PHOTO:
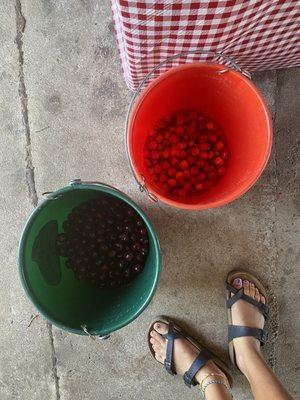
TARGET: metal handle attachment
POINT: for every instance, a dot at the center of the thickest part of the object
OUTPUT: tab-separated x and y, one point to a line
94	337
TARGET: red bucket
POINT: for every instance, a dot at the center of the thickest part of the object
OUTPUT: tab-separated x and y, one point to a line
230	99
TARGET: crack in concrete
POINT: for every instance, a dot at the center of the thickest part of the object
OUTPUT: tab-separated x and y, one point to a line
20	27
29	167
54	361
274	322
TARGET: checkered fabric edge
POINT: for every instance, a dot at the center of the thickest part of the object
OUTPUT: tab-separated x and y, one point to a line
257	34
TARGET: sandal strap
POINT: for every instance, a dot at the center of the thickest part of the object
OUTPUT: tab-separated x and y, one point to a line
202	358
236	331
239	294
170	337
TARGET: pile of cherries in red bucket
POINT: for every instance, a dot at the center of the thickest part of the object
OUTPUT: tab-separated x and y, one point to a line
185	154
105	241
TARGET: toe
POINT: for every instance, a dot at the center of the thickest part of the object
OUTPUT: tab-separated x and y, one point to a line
257	295
156	336
246	287
159	358
263	299
237	283
252	290
161	328
156	347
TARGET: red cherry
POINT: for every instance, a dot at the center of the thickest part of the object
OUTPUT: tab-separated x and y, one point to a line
210	155
186	173
201	177
210	125
172	183
160	147
203	138
191	160
219	146
182	154
151	171
166	154
163	178
179	130
187	186
193	180
181	192
147	154
165	165
174	161
204	146
195	151
183	164
191	143
203	155
171	171
218	161
199	187
157	169
174	152
174	139
152	145
213	138
194	171
181	145
179	176
159	138
192	128
206	168
167	135
155	155
200	164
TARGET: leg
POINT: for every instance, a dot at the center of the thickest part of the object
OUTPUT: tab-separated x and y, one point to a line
263	382
184	355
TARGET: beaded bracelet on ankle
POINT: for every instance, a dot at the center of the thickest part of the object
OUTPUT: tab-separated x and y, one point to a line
211	382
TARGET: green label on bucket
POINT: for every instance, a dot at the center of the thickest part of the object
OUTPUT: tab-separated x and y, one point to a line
44	253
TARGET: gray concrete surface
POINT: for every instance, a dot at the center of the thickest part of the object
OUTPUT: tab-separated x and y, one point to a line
63	103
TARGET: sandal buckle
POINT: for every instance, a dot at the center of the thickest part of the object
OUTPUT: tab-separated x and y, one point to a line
264	336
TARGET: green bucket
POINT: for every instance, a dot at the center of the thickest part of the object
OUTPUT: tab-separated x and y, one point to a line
74	305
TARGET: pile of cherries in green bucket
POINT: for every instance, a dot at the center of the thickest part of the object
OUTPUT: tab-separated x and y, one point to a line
105	241
185	154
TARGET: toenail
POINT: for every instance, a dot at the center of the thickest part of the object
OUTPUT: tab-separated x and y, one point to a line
246	282
237	281
157	325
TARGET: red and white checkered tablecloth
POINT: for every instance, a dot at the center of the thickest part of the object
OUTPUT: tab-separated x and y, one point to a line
257	34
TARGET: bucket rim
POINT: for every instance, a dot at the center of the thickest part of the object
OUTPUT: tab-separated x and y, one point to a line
77	185
137	102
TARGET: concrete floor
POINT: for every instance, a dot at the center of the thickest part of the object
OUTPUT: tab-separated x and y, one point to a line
63	103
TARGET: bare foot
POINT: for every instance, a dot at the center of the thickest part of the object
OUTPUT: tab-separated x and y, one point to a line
184	353
246	314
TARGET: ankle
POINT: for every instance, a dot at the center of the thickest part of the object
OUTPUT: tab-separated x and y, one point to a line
209	369
247	353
